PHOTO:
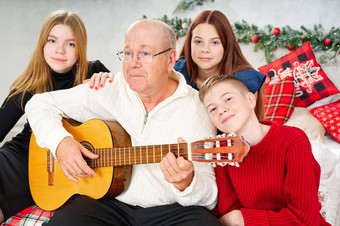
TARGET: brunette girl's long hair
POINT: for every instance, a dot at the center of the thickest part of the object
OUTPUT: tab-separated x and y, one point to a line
37	76
232	60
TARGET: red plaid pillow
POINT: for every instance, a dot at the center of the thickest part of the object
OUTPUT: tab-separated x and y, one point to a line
311	82
329	116
279	100
32	215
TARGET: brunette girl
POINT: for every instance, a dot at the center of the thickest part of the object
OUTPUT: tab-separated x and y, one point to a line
211	48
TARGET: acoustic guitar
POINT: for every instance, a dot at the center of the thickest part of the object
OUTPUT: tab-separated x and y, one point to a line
50	187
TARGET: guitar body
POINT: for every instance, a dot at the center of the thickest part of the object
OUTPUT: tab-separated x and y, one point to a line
50	188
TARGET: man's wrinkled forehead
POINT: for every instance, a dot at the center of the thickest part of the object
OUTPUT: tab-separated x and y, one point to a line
138	43
139	46
142	35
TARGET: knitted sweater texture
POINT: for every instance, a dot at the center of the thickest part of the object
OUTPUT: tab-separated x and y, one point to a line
277	184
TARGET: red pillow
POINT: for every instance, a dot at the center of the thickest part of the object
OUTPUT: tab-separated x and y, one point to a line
329	116
311	82
32	215
279	100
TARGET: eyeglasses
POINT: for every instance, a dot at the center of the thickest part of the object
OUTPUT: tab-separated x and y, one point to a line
142	56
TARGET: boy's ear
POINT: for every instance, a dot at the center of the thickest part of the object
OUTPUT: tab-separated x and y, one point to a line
251	100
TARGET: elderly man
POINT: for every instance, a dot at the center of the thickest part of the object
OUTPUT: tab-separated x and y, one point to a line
155	106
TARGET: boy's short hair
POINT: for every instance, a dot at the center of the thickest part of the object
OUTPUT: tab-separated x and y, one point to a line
213	80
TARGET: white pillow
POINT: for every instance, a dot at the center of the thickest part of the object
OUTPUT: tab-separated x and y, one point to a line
303	119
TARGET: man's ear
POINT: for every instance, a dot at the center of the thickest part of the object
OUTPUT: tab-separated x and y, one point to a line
172	59
251	100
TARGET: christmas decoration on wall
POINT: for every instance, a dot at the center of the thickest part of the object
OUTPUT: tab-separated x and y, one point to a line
276	31
327	41
255	38
187	4
268	38
179	25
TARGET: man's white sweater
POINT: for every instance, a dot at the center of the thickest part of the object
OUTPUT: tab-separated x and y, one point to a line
180	115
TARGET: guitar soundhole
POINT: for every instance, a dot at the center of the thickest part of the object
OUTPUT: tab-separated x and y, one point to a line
89	147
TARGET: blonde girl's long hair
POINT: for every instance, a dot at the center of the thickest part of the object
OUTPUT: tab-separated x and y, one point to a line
36	78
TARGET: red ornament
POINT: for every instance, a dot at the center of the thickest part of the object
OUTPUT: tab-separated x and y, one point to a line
303	37
255	38
181	25
327	41
276	31
290	47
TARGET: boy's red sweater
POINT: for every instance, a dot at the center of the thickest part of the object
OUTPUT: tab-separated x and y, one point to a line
277	184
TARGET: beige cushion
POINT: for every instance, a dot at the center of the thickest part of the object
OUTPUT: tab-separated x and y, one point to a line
303	119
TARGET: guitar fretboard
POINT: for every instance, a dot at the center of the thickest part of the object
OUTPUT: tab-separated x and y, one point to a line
136	155
218	150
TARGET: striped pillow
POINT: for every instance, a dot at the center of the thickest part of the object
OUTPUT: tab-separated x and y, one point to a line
32	215
279	100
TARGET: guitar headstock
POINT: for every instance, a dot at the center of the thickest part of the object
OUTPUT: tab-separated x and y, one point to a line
221	150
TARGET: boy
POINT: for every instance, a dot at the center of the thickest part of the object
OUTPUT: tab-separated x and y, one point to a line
277	184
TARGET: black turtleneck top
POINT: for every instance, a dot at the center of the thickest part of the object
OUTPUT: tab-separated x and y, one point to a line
11	111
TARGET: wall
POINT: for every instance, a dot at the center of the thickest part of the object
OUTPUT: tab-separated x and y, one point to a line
107	20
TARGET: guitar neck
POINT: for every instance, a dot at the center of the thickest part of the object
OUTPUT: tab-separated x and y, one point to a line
119	156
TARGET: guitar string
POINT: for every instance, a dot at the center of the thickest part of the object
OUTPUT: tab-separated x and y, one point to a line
145	160
144	154
105	162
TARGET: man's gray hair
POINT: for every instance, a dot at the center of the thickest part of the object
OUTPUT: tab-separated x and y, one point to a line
169	36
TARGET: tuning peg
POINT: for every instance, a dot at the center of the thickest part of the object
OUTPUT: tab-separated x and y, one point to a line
218	156
230	156
208	145
225	163
222	164
234	164
232	134
208	156
212	164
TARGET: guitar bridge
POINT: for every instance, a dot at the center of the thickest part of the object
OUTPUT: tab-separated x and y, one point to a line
50	168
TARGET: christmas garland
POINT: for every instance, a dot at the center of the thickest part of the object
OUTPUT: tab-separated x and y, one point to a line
179	25
268	38
189	4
